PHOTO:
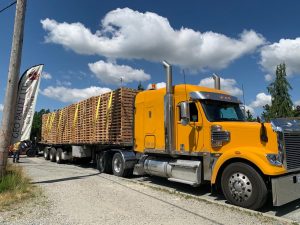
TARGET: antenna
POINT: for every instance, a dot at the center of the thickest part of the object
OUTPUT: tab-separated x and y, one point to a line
244	100
121	80
184	84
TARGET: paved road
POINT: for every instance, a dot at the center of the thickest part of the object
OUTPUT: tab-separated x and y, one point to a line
78	195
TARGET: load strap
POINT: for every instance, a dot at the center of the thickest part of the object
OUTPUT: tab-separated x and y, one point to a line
75	115
51	120
47	123
97	109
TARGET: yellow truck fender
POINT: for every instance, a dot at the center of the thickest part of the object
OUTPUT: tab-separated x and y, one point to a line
253	155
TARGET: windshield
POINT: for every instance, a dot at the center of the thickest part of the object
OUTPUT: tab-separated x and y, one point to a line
222	111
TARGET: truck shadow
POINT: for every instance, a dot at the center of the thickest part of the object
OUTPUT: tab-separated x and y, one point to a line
280	210
205	191
64	179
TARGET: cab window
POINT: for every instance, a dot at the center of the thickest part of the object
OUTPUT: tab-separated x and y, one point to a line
193	112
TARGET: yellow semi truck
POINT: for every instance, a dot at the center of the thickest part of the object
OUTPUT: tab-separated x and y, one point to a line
194	135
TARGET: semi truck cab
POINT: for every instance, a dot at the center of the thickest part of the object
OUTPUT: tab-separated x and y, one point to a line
194	134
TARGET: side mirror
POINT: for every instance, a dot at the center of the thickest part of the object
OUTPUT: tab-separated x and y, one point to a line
184	113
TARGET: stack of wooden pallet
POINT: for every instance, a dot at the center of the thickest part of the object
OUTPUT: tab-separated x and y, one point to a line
106	119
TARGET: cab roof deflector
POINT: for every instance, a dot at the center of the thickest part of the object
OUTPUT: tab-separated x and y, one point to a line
202	95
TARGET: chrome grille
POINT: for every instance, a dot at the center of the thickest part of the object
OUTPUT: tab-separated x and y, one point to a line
292	148
220	136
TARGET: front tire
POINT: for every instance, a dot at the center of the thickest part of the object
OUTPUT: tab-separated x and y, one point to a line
52	155
243	186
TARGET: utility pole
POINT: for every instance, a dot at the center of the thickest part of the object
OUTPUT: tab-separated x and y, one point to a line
12	85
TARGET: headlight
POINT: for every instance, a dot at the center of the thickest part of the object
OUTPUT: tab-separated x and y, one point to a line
275	159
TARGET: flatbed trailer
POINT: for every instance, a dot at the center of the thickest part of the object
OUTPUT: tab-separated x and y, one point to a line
85	129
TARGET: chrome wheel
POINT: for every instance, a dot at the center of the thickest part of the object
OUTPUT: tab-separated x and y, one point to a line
117	165
240	187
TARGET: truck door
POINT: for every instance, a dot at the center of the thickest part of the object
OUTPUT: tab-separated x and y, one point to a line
189	138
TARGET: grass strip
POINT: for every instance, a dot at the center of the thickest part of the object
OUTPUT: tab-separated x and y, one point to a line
14	187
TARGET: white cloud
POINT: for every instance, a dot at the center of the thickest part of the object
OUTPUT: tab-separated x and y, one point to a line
1	107
63	83
228	85
130	34
269	77
285	51
46	76
261	100
65	94
158	85
251	110
297	103
112	73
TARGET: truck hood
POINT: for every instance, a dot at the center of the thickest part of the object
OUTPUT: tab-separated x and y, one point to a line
248	135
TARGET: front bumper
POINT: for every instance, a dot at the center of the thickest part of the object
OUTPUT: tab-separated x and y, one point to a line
285	189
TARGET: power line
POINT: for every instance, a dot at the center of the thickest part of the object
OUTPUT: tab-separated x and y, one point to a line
11	4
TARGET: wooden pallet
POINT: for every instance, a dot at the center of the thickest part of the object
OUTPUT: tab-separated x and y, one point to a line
104	119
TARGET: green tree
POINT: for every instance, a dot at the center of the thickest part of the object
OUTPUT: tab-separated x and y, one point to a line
296	111
140	87
281	104
266	112
37	124
249	116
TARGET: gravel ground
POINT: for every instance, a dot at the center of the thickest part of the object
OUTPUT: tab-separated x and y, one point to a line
76	195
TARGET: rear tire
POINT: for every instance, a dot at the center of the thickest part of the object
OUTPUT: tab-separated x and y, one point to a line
243	186
104	162
59	153
46	154
118	166
52	155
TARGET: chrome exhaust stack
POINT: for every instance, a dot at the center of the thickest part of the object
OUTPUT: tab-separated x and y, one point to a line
168	111
217	81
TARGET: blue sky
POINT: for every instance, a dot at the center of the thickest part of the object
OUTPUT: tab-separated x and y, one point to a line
87	46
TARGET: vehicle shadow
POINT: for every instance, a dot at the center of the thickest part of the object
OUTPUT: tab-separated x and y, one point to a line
280	210
64	179
205	190
202	190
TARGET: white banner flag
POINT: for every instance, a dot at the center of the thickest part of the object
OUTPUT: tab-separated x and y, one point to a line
26	99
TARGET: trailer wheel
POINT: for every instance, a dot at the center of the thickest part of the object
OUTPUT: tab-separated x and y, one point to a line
243	186
46	153
30	152
52	154
104	162
59	153
118	166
